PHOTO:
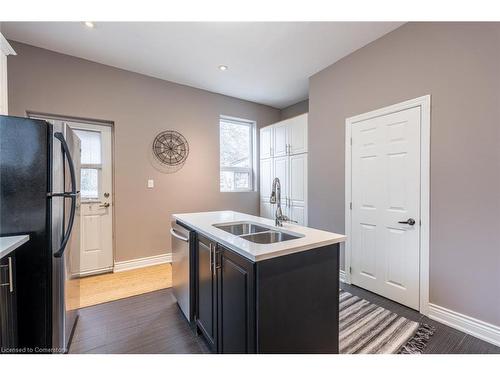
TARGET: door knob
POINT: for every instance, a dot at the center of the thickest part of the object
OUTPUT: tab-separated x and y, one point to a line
410	221
105	205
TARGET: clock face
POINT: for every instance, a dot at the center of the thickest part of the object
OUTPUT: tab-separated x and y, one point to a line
170	148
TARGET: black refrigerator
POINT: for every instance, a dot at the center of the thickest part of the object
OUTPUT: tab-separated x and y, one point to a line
39	178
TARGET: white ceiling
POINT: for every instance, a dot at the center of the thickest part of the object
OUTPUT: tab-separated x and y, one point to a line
269	63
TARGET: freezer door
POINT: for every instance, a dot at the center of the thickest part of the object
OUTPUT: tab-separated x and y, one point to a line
66	289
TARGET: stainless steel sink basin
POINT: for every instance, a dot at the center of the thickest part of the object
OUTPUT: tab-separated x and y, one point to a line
269	237
239	229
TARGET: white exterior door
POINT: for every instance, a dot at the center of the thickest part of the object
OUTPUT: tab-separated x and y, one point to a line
298	189
385	184
280	147
266	142
297	135
96	254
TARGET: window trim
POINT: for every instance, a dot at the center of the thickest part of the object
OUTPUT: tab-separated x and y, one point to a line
253	149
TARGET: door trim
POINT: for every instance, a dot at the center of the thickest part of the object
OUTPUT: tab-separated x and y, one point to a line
424	102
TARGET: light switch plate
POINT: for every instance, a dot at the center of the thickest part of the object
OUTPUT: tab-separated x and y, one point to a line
151	184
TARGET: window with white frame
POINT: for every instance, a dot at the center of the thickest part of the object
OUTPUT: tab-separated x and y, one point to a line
91	164
237	141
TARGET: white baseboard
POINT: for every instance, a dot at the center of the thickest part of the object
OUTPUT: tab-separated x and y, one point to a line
342	276
474	327
94	272
142	262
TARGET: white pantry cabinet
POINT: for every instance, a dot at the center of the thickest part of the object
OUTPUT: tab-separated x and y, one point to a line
266	142
5	50
283	151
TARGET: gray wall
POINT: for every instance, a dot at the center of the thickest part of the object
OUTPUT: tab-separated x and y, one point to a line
459	65
294	110
140	106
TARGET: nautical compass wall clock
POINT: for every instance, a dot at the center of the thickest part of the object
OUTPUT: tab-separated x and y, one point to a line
169	151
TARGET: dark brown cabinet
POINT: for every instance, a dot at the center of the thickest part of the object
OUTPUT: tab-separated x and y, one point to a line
236	302
286	304
206	290
225	300
8	313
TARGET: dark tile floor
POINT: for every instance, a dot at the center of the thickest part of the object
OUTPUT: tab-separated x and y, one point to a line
148	323
152	323
446	340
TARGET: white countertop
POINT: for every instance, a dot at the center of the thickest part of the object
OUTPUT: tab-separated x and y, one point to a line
8	244
311	238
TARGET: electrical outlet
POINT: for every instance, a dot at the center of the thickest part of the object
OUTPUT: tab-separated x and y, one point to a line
151	184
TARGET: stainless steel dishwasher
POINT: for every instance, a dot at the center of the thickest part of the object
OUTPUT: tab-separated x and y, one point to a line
183	268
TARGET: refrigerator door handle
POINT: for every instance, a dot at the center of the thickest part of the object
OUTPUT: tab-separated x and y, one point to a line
72	194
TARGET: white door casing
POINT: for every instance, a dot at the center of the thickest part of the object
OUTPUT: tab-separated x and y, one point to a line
5	50
387	178
96	254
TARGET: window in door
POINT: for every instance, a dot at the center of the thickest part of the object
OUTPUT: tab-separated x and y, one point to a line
237	150
91	164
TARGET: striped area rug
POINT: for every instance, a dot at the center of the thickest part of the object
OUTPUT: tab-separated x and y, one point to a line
371	329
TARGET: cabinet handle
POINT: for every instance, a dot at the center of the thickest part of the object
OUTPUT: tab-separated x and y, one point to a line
11	281
210	257
214	259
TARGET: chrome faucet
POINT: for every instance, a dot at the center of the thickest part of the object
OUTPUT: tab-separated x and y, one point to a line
279	218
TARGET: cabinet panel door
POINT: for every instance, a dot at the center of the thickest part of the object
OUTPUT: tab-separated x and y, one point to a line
298	188
280	139
266	208
266	177
298	214
266	142
8	311
281	170
297	135
236	294
206	292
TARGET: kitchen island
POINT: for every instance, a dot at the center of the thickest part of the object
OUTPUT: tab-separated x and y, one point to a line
259	288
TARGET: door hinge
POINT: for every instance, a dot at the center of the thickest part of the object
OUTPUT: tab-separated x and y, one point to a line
350	269
350	205
351	141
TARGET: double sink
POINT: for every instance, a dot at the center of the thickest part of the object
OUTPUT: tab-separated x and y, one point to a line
256	233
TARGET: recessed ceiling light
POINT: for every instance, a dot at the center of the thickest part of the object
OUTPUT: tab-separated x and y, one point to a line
89	24
223	67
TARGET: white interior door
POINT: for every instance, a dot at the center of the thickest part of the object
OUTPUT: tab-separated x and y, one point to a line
385	220
96	254
297	202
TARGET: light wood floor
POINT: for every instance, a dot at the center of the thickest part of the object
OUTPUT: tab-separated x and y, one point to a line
113	286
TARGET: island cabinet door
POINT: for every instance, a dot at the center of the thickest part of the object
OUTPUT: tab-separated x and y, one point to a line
236	300
206	290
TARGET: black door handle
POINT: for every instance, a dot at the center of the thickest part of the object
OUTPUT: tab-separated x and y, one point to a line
410	221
